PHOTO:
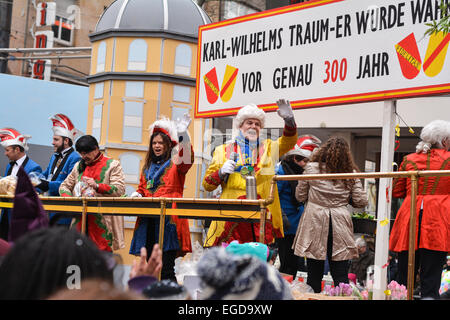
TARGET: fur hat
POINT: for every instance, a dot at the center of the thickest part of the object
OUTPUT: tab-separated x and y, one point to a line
11	137
305	146
227	276
167	127
250	111
63	126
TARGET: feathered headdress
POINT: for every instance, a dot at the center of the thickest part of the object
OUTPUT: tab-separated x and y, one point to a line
167	127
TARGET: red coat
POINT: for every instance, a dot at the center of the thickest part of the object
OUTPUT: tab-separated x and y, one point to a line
434	192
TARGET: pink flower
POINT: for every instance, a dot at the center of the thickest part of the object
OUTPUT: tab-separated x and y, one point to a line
365	294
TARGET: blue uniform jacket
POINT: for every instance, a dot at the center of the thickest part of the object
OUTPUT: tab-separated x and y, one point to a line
285	193
60	175
29	166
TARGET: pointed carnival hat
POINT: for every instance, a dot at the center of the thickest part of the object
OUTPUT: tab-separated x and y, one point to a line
63	126
10	137
166	126
28	213
305	146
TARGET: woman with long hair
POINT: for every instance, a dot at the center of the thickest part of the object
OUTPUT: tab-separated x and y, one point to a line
325	229
169	158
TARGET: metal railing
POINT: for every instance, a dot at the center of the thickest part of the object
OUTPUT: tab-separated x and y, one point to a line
413	175
220	209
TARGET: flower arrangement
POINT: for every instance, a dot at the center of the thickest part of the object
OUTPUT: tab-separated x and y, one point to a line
396	291
343	289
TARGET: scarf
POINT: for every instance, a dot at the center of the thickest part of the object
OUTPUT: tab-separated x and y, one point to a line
154	174
247	148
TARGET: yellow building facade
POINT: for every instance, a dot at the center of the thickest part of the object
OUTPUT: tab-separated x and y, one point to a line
142	70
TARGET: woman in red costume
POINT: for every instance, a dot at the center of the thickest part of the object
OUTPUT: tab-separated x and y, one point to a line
163	175
433	209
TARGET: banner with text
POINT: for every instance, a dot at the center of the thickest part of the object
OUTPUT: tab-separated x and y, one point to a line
321	53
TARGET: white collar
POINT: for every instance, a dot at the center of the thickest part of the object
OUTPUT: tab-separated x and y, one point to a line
20	161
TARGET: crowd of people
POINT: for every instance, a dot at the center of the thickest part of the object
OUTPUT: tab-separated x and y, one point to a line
45	256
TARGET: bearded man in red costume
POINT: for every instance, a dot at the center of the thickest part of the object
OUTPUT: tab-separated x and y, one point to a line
99	176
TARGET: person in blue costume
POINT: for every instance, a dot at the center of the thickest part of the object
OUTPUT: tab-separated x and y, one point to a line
292	163
61	163
15	145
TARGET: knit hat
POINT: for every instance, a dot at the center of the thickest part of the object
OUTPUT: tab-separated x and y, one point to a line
257	249
63	126
11	137
166	126
305	146
250	111
165	290
28	213
226	276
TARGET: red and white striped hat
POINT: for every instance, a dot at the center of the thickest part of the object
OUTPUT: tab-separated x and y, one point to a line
305	146
63	126
11	137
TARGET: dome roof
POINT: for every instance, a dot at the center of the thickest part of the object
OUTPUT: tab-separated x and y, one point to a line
180	17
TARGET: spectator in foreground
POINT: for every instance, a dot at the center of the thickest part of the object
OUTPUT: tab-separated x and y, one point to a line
228	276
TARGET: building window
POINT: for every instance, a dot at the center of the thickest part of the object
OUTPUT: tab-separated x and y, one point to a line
179	111
63	30
137	55
130	163
183	55
181	93
132	121
98	91
134	89
97	121
232	9
101	57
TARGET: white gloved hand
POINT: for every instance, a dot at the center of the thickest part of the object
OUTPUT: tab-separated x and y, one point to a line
284	109
227	168
136	195
183	124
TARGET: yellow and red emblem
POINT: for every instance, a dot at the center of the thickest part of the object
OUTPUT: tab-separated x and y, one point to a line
212	84
409	57
436	53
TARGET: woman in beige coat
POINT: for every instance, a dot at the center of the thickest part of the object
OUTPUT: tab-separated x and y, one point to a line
325	229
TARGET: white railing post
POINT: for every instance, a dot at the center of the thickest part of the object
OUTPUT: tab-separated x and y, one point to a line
384	201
